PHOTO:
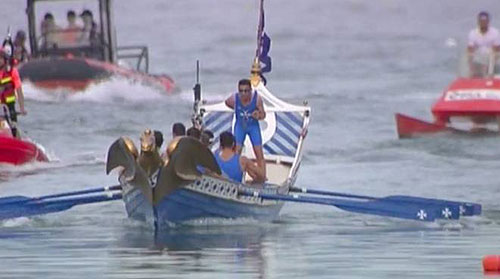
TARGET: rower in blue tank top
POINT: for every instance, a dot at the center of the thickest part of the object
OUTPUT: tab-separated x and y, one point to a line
249	109
232	164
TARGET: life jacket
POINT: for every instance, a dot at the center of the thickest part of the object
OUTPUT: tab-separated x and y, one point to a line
8	94
230	168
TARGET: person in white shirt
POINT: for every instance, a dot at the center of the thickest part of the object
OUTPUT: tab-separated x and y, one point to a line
483	46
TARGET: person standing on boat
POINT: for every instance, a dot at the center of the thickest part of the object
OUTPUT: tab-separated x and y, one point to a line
232	164
73	30
20	53
249	109
89	32
483	45
49	30
10	88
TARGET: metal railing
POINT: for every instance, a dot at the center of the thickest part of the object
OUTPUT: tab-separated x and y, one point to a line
140	53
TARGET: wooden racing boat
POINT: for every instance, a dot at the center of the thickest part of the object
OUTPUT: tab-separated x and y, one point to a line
181	193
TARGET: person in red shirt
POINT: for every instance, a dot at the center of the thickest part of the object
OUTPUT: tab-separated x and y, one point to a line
10	90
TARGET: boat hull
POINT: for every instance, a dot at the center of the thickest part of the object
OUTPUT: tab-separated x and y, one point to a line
77	74
408	127
203	199
477	99
467	106
16	152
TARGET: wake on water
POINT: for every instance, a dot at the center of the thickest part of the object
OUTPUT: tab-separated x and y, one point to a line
113	91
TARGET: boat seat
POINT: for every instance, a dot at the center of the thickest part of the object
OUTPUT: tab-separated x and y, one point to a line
277	173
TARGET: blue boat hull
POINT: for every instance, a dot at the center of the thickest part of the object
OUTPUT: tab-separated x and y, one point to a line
188	204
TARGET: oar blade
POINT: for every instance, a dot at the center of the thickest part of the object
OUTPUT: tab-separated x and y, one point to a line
40	207
464	208
388	209
445	209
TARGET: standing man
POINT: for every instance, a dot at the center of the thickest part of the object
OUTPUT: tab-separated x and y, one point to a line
10	90
248	109
20	52
73	30
89	30
483	46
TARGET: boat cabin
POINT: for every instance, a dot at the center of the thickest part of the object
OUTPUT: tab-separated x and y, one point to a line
79	28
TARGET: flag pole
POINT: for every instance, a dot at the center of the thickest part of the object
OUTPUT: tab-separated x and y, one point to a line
255	71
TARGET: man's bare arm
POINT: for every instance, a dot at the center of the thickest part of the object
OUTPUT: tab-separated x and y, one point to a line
259	113
230	101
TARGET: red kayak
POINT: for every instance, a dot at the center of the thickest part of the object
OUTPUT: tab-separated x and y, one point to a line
19	151
470	105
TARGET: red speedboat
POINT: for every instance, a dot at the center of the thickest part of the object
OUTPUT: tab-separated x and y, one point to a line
68	58
19	151
470	105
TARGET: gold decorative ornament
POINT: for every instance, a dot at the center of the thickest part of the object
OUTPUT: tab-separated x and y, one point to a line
129	144
255	72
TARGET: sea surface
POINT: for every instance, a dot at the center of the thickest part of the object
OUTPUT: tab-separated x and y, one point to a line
356	63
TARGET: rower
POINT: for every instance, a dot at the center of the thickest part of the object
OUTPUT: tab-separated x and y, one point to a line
178	129
232	164
194	133
249	109
207	138
10	88
483	46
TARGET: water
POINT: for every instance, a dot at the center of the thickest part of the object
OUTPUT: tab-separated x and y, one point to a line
356	62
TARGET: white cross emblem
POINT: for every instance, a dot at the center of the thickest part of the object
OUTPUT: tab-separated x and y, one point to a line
446	213
462	209
421	214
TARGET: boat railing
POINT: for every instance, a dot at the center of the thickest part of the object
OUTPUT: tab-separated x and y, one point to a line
479	65
139	53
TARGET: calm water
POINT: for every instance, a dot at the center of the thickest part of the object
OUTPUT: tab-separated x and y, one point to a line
356	62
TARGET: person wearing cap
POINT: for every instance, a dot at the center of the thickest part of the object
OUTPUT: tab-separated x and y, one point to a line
72	31
248	109
10	90
20	53
483	45
89	32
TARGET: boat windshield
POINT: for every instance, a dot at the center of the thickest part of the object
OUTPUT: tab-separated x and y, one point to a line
480	65
62	28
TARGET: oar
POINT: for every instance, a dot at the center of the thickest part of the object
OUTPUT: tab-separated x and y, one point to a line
20	206
23	199
412	211
465	208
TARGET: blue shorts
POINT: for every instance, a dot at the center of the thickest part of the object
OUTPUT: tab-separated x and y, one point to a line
253	131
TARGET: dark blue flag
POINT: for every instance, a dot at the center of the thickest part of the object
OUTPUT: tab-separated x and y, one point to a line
264	58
